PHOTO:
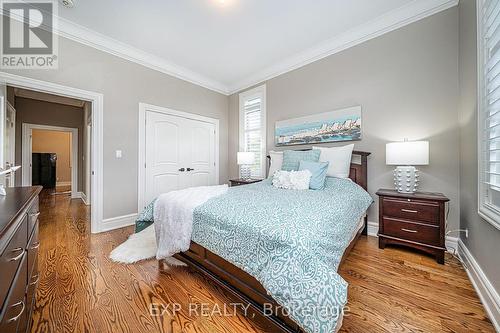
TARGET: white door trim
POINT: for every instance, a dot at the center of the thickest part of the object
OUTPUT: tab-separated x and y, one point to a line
96	100
27	149
143	108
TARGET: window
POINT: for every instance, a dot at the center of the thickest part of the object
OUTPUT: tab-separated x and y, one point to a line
488	24
253	128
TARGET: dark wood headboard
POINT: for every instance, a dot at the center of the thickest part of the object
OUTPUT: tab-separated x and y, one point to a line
359	171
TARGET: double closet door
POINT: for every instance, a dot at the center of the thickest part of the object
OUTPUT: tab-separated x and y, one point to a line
180	153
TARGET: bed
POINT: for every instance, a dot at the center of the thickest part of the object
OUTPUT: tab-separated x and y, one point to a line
219	261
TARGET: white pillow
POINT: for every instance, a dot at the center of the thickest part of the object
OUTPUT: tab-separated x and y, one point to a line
292	180
276	162
339	159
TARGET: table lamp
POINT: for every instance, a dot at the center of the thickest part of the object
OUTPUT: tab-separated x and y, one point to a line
406	155
245	159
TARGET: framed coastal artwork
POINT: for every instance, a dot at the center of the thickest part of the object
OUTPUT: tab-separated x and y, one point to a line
332	126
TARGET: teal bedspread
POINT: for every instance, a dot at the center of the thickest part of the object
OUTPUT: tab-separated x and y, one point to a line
290	241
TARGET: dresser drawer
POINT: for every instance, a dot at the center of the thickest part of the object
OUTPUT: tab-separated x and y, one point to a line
33	247
416	232
412	210
31	291
33	213
14	316
10	259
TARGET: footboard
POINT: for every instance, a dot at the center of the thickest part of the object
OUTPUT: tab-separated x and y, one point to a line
242	286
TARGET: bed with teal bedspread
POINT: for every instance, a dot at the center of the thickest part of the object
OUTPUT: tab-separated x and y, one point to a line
291	241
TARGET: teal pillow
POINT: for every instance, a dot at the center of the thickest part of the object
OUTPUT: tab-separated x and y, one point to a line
318	171
292	158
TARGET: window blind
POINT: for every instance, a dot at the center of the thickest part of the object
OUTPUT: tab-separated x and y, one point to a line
252	118
491	96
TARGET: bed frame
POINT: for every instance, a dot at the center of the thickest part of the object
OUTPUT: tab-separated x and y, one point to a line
245	289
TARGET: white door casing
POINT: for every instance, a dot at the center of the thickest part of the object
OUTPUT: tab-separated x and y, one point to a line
10	140
97	107
176	150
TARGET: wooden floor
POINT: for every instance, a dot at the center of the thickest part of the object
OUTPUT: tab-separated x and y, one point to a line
81	290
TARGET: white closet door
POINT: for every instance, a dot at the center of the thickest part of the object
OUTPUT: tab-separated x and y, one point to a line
200	148
165	156
180	153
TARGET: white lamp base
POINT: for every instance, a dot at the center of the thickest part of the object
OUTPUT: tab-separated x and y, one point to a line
245	172
406	179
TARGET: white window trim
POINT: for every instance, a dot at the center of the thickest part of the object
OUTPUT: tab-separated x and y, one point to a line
487	211
255	92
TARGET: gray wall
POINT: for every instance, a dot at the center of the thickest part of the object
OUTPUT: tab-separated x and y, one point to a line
46	113
483	241
407	84
124	84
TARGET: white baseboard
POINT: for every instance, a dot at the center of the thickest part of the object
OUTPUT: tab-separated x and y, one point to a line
488	295
372	228
118	222
450	242
84	198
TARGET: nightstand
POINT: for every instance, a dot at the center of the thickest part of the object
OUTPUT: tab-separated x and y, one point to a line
238	182
416	220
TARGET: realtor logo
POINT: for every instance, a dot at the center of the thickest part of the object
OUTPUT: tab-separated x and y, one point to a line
28	35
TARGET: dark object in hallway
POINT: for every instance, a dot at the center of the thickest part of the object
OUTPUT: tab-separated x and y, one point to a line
43	169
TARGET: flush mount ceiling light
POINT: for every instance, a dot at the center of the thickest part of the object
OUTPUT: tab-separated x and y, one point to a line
68	3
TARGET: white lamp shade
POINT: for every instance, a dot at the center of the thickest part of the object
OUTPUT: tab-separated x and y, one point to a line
245	158
407	153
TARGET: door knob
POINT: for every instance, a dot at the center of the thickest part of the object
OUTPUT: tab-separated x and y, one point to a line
189	169
182	169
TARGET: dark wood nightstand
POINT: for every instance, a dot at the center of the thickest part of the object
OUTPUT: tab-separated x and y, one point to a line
238	182
416	220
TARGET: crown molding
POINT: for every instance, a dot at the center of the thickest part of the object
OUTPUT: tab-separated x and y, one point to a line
395	19
83	35
86	36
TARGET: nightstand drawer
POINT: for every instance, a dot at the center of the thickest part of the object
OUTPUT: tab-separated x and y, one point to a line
416	232
412	210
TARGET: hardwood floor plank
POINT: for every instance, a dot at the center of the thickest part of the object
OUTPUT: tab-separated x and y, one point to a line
82	290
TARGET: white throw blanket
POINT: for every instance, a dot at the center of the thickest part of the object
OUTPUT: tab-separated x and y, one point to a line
173	217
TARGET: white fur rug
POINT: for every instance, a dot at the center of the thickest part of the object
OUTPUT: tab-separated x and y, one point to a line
140	246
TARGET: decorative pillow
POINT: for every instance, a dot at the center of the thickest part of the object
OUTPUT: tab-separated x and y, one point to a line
339	158
318	173
276	162
291	158
292	180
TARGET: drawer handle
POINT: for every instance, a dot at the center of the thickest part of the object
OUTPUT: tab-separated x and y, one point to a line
36	280
35	215
20	313
409	211
409	230
19	256
35	246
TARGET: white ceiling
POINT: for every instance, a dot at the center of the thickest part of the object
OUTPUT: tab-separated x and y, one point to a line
227	45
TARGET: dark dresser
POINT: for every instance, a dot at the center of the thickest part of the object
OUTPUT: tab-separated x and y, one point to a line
415	220
18	257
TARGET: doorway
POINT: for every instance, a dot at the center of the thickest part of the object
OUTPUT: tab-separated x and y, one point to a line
50	157
95	117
